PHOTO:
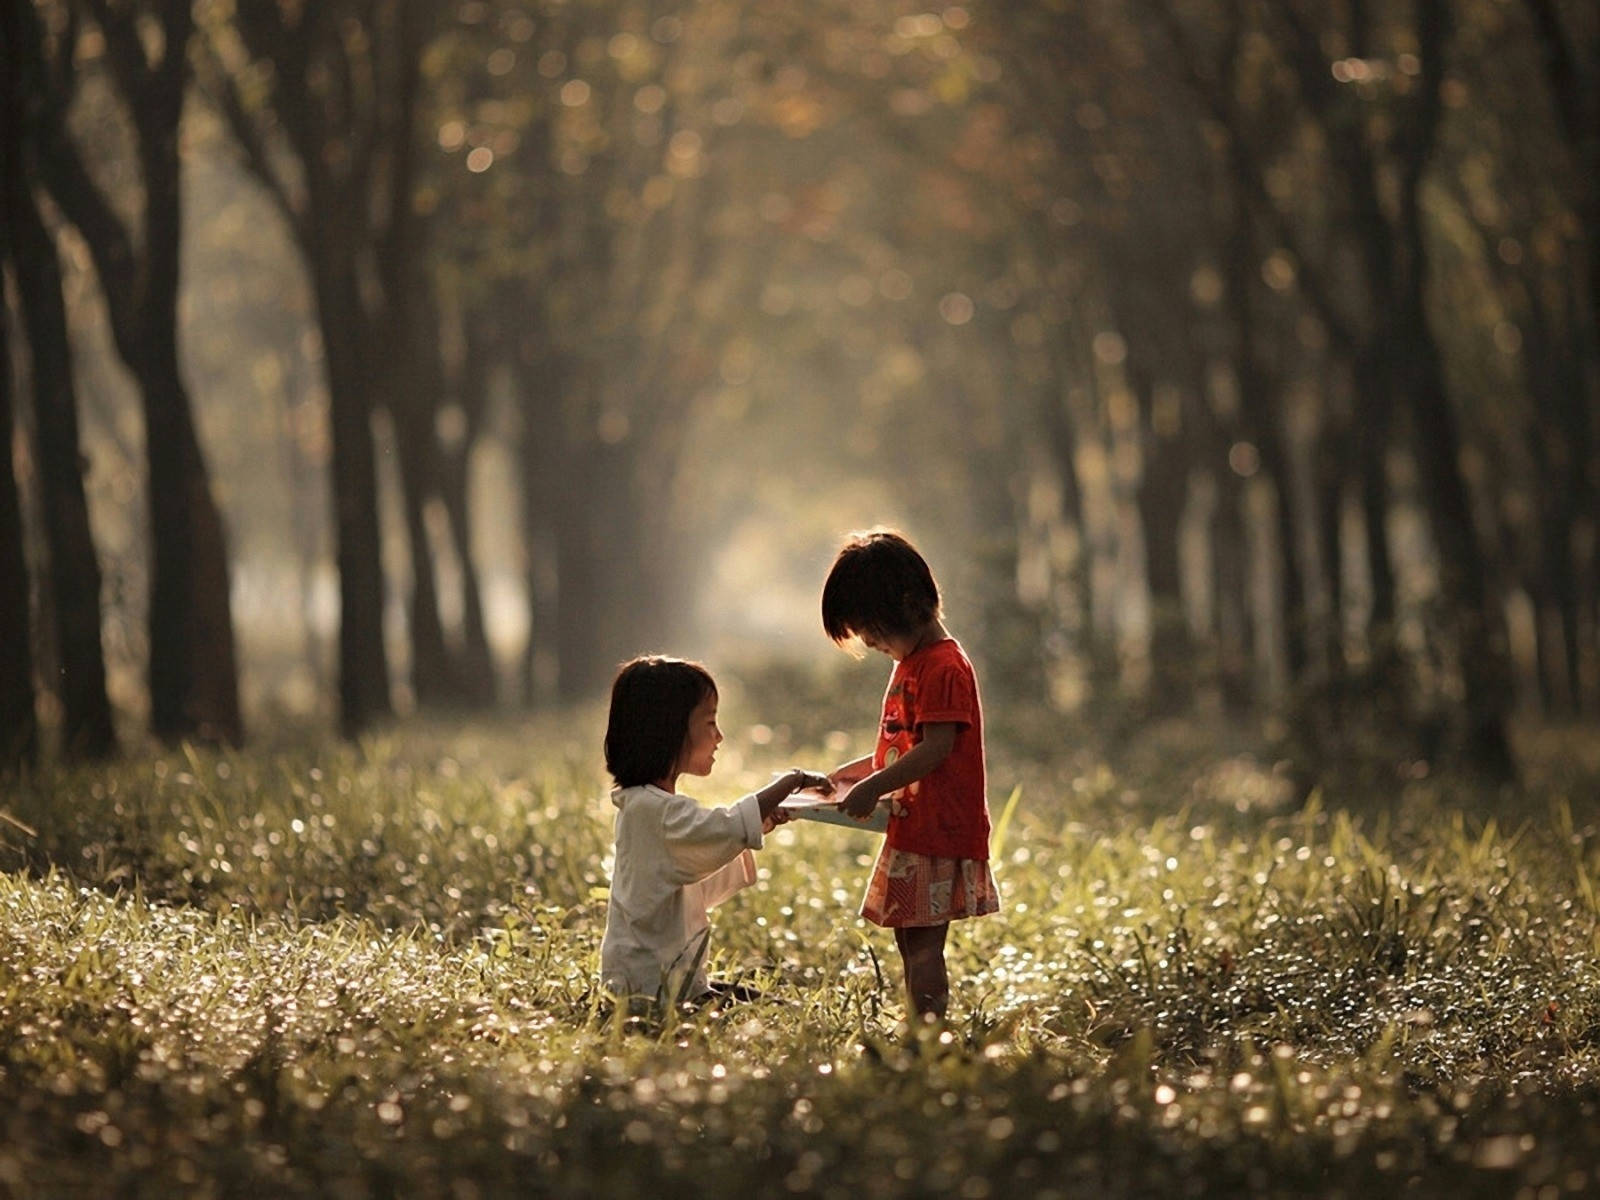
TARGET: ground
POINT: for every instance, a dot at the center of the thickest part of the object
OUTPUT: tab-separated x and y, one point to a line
312	968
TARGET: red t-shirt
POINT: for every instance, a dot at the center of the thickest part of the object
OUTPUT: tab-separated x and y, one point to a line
946	812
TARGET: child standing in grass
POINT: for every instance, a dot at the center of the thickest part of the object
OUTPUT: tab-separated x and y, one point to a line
928	764
673	859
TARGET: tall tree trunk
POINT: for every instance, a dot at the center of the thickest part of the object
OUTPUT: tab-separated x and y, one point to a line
74	580
341	85
609	604
193	670
1263	425
1557	440
1572	72
1163	492
1333	458
432	671
19	725
1463	572
1580	396
1463	569
579	656
1062	439
407	330
1372	448
541	558
194	688
541	377
430	471
474	661
363	660
1230	557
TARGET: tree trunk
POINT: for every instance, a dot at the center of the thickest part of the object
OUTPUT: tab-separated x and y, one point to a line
1557	437
1372	447
540	549
409	341
1565	601
1263	425
608	602
440	673
193	673
1462	570
194	688
1574	83
1231	594
475	661
433	673
1063	445
541	377
1332	466
363	660
579	657
1163	492
19	726
74	579
342	83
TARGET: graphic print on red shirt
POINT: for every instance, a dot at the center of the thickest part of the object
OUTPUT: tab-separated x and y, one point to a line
946	812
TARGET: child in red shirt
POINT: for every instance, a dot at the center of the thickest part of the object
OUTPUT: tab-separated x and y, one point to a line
928	765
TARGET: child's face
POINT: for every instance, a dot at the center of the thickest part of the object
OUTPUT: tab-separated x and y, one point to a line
895	645
701	742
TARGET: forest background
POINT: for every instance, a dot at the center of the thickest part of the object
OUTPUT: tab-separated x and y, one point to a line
1224	357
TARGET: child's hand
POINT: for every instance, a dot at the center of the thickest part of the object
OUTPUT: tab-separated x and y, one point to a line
796	780
778	816
859	801
850	772
785	785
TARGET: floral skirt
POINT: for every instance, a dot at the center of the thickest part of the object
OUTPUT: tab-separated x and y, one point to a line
908	889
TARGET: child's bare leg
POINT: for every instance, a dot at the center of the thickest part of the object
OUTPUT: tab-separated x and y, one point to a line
927	983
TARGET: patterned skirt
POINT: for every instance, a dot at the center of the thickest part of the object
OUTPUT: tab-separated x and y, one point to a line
908	889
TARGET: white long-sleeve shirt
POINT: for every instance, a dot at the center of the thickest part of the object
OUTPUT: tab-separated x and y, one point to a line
674	860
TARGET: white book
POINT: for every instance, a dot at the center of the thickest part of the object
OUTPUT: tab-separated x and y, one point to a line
814	806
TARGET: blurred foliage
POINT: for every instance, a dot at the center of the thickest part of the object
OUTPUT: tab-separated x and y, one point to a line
1084	295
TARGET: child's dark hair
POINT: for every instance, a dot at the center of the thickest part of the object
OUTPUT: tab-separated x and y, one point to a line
651	701
880	585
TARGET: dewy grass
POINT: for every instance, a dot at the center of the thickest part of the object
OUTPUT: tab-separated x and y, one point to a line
370	971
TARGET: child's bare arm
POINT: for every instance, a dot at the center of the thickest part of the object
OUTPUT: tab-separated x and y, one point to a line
786	785
938	739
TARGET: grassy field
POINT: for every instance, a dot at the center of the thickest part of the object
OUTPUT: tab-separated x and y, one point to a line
325	970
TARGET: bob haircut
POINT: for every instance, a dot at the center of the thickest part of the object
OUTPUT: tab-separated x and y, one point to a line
651	700
880	585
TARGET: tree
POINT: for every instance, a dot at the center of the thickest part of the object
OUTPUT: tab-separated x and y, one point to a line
1569	41
1395	348
193	675
18	723
310	93
32	90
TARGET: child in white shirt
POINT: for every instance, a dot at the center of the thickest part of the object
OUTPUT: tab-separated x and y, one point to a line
673	859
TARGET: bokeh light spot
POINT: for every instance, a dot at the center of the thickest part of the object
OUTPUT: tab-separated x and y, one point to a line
956	308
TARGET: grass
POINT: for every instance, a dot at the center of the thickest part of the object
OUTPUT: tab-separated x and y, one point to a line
317	969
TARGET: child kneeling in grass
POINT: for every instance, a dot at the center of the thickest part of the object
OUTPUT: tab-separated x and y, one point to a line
674	859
